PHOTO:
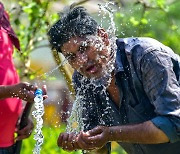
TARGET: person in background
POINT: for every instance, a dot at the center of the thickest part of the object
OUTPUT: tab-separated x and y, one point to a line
11	90
140	105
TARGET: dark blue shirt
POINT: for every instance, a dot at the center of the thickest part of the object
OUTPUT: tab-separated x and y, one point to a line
147	75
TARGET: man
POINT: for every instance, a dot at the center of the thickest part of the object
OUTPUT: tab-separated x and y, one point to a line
140	106
11	91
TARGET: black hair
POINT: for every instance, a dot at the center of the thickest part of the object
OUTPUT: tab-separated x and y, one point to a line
77	22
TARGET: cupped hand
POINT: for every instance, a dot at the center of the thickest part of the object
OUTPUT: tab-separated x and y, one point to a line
90	140
67	141
95	138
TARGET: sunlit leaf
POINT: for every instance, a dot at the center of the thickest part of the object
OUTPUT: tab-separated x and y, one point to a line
134	21
144	21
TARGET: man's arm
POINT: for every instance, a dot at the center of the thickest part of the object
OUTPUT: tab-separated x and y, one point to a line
97	138
163	90
143	133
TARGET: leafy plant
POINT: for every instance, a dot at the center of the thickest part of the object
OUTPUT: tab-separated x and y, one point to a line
49	145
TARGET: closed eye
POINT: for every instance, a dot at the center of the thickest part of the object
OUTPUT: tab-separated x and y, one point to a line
70	57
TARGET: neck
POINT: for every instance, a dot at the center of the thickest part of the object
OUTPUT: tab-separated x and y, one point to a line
114	92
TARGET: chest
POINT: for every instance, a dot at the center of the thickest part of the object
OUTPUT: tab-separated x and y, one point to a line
135	106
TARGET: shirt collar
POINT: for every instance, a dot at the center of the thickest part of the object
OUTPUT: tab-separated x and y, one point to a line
118	63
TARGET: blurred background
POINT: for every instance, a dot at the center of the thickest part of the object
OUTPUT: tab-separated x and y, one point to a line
38	64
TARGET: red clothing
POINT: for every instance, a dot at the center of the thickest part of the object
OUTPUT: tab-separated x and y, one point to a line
10	108
4	22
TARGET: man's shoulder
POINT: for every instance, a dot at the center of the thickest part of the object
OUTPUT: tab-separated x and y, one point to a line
136	47
139	45
130	42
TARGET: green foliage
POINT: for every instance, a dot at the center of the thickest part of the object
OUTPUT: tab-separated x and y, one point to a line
31	26
152	18
49	145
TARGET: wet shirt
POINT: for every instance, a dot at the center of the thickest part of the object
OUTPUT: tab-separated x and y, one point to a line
147	75
10	108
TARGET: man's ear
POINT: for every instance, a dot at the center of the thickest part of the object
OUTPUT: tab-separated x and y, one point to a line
104	35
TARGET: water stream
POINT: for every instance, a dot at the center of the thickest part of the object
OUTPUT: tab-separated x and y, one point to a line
37	114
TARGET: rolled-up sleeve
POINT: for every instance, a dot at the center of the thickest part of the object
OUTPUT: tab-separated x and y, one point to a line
167	127
162	88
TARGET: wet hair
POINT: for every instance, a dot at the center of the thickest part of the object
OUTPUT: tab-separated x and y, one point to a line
77	22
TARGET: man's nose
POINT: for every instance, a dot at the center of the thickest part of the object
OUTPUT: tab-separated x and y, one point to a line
82	58
91	53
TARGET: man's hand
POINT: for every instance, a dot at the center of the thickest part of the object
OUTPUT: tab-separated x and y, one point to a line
68	141
95	138
25	132
90	140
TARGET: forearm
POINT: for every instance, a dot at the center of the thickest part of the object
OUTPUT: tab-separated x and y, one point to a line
5	91
145	133
23	91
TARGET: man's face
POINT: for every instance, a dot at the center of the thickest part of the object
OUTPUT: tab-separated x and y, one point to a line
88	55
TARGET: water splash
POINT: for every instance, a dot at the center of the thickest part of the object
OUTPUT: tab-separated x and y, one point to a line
106	11
75	121
46	74
37	114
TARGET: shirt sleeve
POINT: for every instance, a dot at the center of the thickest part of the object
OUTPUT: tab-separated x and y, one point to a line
162	88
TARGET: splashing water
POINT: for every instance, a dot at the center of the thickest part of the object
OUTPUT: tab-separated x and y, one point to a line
75	121
107	10
46	74
38	113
